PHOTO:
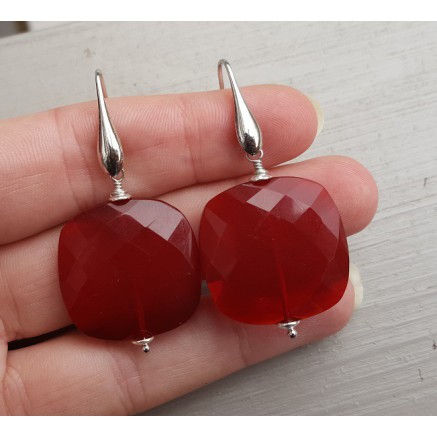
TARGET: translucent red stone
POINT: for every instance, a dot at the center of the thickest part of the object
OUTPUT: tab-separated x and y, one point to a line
274	251
129	270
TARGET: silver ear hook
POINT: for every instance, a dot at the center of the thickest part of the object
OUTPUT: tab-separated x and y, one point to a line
248	131
110	150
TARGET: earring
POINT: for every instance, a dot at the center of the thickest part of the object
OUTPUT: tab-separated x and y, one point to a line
273	249
128	269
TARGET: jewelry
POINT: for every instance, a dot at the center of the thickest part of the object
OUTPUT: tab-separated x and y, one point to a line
273	249
128	269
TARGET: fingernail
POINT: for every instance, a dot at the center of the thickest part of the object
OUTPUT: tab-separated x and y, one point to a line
355	278
319	112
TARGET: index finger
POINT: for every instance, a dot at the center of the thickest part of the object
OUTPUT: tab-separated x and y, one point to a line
50	172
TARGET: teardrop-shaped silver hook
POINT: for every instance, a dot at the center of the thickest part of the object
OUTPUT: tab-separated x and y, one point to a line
247	129
248	132
110	150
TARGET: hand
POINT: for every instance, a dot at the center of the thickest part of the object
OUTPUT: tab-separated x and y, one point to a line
182	149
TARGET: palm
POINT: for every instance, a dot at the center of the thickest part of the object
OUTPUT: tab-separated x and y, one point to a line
180	148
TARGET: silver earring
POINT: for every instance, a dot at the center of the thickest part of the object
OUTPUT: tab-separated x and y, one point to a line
128	269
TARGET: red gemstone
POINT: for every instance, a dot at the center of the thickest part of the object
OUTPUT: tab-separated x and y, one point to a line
274	251
129	270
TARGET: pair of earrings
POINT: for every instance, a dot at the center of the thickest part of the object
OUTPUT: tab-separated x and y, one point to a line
272	250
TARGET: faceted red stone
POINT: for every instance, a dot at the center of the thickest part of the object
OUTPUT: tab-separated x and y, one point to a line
274	251
129	270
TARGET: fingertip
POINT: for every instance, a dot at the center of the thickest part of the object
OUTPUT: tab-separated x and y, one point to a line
340	314
350	184
319	112
289	120
355	278
360	193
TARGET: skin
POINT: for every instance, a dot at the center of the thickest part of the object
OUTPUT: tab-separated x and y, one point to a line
179	148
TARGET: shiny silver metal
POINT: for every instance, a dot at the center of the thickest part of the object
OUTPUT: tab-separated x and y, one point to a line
290	327
144	343
261	173
110	151
248	131
118	193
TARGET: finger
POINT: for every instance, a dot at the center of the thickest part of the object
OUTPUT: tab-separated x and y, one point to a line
75	374
50	171
3	360
351	186
37	292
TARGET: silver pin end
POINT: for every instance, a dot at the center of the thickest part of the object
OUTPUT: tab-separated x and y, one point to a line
119	193
261	174
290	327
144	343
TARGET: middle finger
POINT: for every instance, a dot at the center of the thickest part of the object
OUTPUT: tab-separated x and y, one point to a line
31	304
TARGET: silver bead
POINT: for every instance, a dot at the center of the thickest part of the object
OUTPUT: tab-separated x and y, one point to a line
144	343
290	327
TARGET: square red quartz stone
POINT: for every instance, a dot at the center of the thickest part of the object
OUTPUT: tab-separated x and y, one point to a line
274	251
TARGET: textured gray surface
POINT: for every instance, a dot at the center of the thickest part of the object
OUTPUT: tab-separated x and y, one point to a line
377	84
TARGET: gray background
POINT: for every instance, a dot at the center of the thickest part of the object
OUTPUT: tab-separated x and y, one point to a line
377	83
